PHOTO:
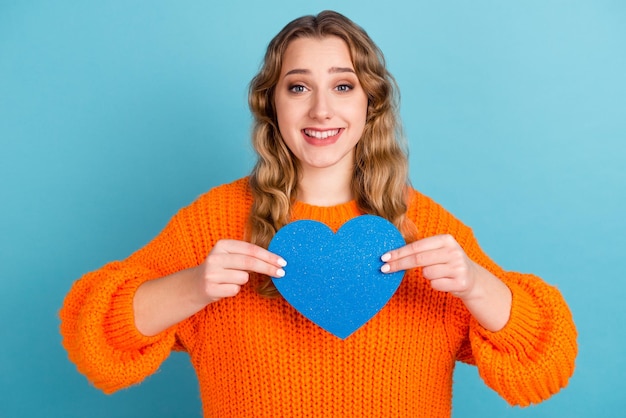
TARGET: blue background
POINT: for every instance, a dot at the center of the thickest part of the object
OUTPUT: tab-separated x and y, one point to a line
115	114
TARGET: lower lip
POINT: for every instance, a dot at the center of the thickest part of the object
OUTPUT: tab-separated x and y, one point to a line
320	142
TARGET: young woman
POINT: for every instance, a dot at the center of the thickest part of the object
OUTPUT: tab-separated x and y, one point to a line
329	149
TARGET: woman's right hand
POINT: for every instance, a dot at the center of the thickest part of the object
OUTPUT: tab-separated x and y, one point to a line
228	267
161	303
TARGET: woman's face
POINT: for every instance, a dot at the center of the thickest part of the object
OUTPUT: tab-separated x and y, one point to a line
320	105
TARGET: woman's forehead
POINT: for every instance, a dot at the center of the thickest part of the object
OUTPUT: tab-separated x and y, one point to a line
307	53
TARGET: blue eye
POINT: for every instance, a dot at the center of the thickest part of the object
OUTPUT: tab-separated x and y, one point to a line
344	87
297	88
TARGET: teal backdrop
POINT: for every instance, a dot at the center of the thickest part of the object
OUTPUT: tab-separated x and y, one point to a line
115	114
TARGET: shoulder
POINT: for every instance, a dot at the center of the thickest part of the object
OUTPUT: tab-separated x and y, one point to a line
237	192
226	201
431	218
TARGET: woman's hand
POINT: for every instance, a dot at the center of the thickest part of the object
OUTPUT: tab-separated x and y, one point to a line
448	269
443	262
228	267
161	303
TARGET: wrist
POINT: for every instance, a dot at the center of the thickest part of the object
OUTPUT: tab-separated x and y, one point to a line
489	300
477	278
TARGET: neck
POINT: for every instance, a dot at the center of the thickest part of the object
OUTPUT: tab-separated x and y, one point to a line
324	187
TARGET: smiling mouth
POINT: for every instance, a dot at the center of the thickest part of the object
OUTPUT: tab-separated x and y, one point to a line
314	133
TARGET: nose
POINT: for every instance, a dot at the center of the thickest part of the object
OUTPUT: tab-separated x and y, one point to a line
321	106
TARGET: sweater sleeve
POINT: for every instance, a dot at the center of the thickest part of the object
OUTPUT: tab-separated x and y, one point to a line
533	356
97	319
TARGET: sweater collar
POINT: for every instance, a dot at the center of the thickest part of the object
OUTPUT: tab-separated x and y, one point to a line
332	216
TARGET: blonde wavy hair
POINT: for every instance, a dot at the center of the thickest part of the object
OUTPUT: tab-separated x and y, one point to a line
380	180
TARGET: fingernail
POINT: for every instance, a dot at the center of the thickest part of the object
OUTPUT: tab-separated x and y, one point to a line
282	262
280	273
385	257
385	268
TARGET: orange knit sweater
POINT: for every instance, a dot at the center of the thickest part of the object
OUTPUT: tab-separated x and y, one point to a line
258	357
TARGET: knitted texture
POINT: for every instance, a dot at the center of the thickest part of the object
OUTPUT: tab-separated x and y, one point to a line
258	357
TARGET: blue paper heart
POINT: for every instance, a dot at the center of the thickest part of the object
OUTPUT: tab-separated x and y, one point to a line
335	279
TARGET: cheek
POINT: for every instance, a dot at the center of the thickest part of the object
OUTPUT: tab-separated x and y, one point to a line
282	118
360	113
285	114
286	126
362	106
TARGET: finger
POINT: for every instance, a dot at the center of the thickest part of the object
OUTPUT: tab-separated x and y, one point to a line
421	259
219	291
219	276
419	246
444	285
455	287
439	249
252	250
439	271
242	263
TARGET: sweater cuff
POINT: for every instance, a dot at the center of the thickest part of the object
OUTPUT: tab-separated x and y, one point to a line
522	334
119	322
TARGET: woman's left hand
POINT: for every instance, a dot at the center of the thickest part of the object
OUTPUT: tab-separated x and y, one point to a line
443	262
448	269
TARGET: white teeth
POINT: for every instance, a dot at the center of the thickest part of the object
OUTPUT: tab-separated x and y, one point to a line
321	134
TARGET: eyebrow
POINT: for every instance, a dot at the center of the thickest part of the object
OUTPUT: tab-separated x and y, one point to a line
331	70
